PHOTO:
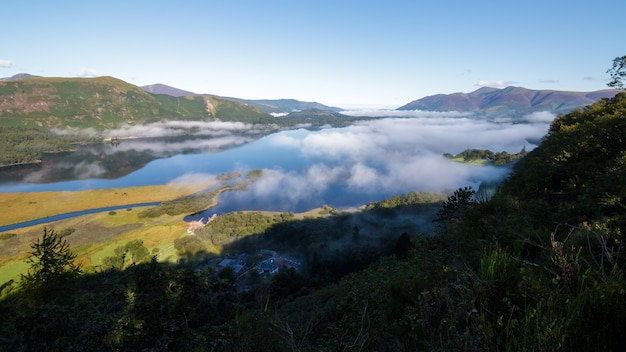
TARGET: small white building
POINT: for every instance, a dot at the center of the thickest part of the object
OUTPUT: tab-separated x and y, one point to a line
231	263
267	267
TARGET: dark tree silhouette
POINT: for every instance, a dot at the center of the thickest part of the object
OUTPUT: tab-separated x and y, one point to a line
52	266
618	73
403	246
452	209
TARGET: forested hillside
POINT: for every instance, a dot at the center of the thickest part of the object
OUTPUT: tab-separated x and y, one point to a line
19	145
537	267
106	103
40	115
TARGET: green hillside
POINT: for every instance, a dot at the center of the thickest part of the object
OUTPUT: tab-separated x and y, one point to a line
105	102
227	110
31	108
538	267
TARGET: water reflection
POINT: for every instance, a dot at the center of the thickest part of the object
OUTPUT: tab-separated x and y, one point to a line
115	160
341	167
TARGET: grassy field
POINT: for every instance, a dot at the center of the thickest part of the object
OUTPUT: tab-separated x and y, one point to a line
19	207
12	270
475	161
94	237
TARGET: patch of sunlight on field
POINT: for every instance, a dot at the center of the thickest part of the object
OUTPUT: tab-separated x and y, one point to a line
474	161
157	234
120	217
167	253
12	270
19	207
96	236
108	250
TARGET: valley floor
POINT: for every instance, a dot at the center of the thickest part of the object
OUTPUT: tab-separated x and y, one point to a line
20	207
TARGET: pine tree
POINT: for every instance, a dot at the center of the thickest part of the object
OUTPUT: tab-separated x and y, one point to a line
52	267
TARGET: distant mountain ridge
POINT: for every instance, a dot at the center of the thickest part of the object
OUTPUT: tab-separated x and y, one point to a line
18	77
285	105
107	102
268	106
167	90
509	100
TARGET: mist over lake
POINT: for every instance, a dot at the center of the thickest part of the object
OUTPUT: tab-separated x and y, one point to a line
341	167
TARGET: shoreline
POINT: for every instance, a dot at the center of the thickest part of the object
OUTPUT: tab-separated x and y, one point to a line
28	206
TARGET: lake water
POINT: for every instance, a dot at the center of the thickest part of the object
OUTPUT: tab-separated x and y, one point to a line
340	167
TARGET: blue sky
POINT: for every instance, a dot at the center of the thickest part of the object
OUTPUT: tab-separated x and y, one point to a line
334	52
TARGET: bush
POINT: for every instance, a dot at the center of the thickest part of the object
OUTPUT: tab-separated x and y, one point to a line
6	236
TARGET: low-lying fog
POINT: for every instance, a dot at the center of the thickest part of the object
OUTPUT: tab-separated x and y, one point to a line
394	155
367	161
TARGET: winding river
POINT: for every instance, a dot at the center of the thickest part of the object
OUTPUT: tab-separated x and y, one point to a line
58	217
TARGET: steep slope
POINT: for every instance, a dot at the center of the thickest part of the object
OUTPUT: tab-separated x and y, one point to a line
510	100
228	110
579	168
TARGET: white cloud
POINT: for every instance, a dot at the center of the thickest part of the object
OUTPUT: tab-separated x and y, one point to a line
363	176
497	84
319	176
354	143
402	113
289	186
87	72
6	63
177	128
540	116
373	158
81	171
199	136
285	141
86	170
397	155
192	177
384	138
160	147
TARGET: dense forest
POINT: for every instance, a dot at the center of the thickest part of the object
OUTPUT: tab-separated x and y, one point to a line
21	146
539	266
497	158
